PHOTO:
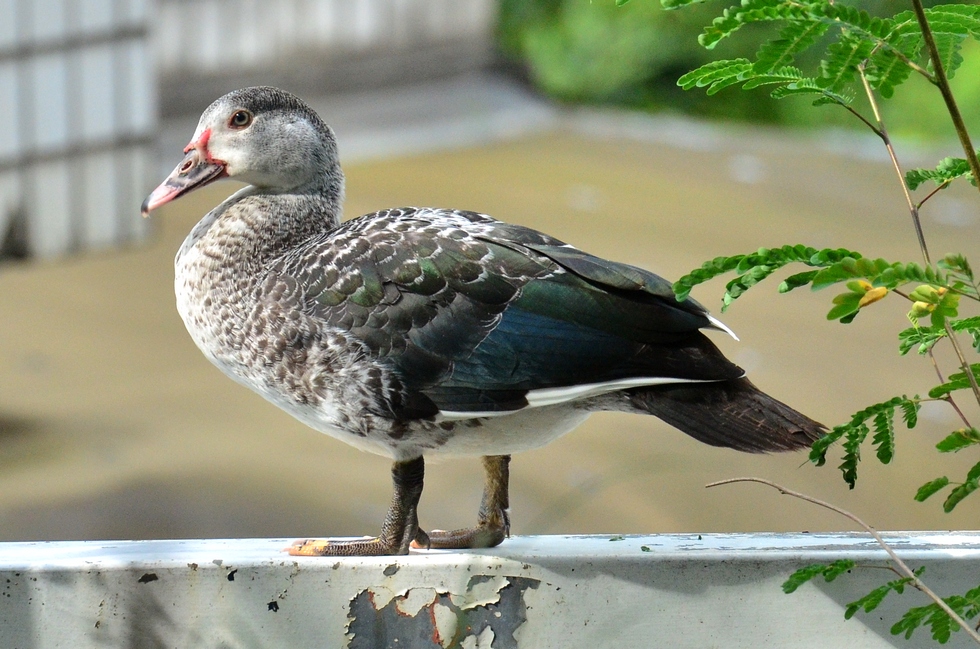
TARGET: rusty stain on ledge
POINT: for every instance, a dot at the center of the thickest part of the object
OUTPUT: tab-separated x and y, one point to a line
491	610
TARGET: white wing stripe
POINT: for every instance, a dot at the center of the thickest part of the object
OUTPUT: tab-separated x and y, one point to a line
553	396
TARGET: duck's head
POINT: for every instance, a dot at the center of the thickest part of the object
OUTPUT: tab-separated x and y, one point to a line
262	136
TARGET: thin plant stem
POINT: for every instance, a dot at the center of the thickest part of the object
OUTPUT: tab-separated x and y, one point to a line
883	134
914	211
938	189
864	119
942	82
964	364
902	566
948	398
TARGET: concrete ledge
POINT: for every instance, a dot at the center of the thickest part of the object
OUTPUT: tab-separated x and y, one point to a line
548	591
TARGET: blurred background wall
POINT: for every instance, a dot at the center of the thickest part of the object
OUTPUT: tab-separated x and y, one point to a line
205	47
83	82
78	100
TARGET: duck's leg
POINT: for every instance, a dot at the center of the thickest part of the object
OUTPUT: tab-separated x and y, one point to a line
400	528
493	522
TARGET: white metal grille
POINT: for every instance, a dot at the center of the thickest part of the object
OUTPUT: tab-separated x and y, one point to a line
218	35
78	96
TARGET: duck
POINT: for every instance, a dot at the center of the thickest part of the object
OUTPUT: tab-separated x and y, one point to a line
418	332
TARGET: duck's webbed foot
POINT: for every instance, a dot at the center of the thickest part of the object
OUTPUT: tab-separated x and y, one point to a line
493	522
400	528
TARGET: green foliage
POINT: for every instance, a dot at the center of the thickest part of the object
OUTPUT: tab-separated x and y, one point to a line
872	600
958	440
796	37
960	276
964	489
967	606
867	281
829	571
618	66
880	53
594	52
958	381
755	267
882	418
603	52
931	488
948	170
886	50
955	441
936	296
927	337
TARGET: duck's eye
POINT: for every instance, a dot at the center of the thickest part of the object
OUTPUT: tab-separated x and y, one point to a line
240	119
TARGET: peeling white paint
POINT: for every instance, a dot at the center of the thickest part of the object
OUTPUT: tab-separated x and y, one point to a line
481	590
482	641
575	592
446	624
414	601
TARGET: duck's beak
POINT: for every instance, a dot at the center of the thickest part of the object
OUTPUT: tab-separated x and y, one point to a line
197	169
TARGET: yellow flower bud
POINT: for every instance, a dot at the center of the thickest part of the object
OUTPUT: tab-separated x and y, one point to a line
859	285
873	295
921	309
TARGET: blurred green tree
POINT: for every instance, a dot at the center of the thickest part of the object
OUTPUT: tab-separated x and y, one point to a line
593	52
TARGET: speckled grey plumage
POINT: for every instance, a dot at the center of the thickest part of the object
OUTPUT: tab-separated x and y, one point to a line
406	332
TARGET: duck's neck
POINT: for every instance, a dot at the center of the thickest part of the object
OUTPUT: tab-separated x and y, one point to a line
256	225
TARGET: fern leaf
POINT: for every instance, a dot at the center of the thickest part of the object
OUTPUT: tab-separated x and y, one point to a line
958	381
930	488
966	324
962	20
736	17
910	411
878	272
829	571
959	440
940	624
742	283
949	46
853	439
947	170
872	600
971	326
809	86
857	20
957	264
958	493
784	75
884	438
856	431
912	619
676	4
924	337
818	452
960	278
721	84
714	72
757	266
889	67
793	39
708	270
797	280
844	56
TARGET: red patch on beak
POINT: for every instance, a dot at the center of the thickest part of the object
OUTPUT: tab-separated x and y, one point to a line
197	169
201	145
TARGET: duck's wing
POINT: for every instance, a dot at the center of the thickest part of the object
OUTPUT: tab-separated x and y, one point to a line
481	318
